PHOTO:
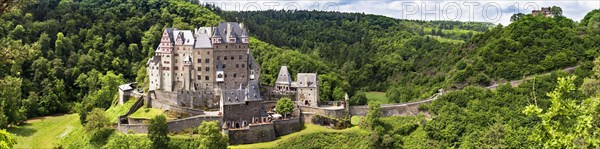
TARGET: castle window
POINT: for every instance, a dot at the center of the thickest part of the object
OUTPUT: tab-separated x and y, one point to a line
168	56
199	77
175	68
199	68
234	75
237	65
220	76
199	60
207	68
207	60
232	58
224	57
206	78
207	52
218	57
243	65
225	75
224	66
240	56
176	61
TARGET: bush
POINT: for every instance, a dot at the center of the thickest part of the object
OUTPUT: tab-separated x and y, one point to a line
157	132
360	98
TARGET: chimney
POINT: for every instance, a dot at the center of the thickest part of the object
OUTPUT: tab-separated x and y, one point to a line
228	31
306	80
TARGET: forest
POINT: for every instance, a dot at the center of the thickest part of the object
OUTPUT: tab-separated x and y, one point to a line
411	59
69	56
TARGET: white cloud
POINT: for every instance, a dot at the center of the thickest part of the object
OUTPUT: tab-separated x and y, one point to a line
482	11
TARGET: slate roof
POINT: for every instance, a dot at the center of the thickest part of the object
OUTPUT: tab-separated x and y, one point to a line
240	96
284	76
234	32
126	87
306	80
203	38
188	37
170	32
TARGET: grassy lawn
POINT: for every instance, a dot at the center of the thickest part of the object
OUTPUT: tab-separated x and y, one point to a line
310	129
355	120
114	112
147	113
46	132
378	96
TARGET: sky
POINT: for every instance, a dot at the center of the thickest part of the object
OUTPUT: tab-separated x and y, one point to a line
493	11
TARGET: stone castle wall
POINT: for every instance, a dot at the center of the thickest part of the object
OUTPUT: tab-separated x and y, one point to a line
264	132
392	109
335	113
174	126
284	127
165	105
191	122
133	128
253	134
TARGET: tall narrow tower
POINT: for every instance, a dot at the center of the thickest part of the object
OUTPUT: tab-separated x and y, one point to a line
166	53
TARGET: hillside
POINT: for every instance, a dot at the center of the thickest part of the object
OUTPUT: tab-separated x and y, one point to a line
70	56
412	59
371	52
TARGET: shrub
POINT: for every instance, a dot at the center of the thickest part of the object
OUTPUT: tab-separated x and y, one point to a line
157	132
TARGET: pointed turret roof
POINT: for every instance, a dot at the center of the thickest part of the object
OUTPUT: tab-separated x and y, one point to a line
284	76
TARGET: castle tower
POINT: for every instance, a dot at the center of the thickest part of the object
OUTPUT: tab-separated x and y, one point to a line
165	52
187	73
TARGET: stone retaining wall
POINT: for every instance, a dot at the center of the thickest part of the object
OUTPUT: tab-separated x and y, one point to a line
284	127
264	132
164	105
174	126
392	109
252	134
335	113
133	128
191	122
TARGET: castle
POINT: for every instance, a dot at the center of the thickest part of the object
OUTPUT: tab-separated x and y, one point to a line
210	74
545	11
193	69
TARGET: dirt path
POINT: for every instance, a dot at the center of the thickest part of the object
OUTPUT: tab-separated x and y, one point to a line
517	82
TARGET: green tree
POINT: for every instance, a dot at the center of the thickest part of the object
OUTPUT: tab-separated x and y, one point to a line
591	85
284	106
359	98
10	99
338	93
567	123
6	140
157	132
96	120
211	137
556	11
516	17
98	126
